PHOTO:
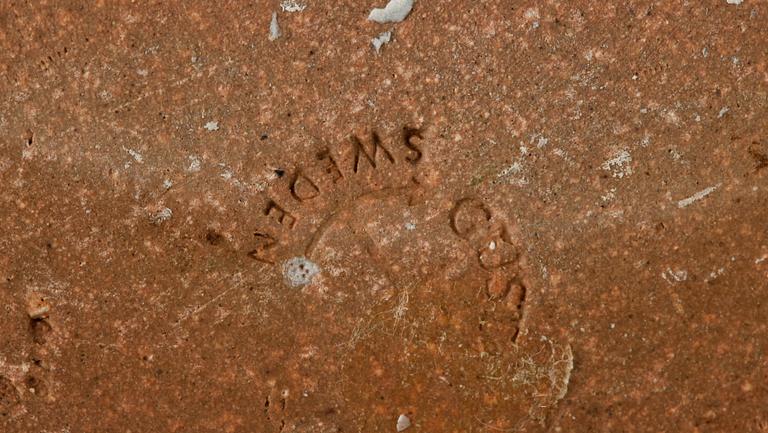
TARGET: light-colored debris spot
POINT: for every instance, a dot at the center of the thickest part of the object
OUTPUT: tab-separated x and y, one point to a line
512	169
226	172
299	271
37	306
620	165
380	40
403	422
292	6
714	274
410	226
161	216
228	175
212	126
722	112
678	275
734	2
675	155
545	376
513	174
194	164
609	196
561	384
698	196
135	155
394	12
646	140
274	28
167	184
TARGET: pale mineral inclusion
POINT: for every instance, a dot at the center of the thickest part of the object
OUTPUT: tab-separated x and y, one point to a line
403	422
382	39
299	271
394	12
274	28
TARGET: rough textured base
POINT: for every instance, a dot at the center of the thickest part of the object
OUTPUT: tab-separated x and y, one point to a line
517	216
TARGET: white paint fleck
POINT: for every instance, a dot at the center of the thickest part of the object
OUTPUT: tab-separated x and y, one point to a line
212	126
619	165
675	154
299	271
167	184
403	422
698	196
274	28
610	195
492	246
514	174
136	155
194	164
714	274
380	40
292	6
394	12
512	169
531	14
722	112
162	215
142	72
541	142
678	275
410	226
226	173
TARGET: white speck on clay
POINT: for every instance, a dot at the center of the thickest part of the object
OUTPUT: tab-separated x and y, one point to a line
194	164
512	169
734	2
212	126
722	112
403	422
678	275
619	165
380	40
162	215
299	271
274	28
167	184
136	155
698	196
410	226
514	174
531	14
394	12
292	6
